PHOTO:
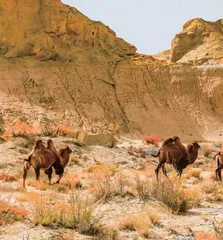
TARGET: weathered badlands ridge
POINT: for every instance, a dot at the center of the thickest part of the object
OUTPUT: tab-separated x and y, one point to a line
55	63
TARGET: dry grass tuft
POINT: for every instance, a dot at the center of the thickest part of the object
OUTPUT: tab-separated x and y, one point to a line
102	168
23	128
7	177
76	214
10	213
104	185
140	222
72	180
214	191
170	192
152	139
193	172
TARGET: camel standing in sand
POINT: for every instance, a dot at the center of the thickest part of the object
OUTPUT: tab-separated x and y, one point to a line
40	158
47	158
62	159
173	152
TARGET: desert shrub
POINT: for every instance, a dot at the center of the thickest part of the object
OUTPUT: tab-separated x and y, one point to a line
214	191
76	214
108	234
140	222
194	172
23	128
152	139
104	185
7	177
143	188
10	213
102	168
170	192
20	128
54	129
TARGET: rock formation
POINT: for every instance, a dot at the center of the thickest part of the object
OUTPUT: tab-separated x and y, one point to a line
57	64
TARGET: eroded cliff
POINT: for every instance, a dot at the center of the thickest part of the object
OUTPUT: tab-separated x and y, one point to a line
57	64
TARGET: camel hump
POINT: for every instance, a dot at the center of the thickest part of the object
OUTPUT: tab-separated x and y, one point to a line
167	141
39	144
50	145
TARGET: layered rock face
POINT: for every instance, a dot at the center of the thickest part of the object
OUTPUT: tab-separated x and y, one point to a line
57	64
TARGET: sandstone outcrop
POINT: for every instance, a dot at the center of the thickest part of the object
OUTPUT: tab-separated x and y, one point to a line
200	42
57	64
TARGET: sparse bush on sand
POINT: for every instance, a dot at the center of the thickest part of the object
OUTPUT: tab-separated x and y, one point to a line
152	139
105	185
193	172
170	192
76	214
22	128
142	222
10	213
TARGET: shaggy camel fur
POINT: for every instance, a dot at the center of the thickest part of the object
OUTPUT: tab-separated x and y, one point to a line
174	152
42	158
62	158
219	159
65	152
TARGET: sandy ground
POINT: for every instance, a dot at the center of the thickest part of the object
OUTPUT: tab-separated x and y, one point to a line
195	223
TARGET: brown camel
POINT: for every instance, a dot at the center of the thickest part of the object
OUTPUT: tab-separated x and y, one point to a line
176	154
41	158
169	142
62	158
219	159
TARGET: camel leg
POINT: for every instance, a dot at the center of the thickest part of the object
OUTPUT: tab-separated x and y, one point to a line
164	170
37	171
60	176
157	170
27	166
59	171
49	172
219	174
180	171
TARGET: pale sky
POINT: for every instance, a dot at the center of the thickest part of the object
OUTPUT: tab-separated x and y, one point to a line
150	25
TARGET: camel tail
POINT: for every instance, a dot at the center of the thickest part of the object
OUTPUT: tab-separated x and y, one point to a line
217	154
28	159
156	155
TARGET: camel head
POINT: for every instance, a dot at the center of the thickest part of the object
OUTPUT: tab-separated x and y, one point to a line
65	149
68	149
193	146
176	138
196	145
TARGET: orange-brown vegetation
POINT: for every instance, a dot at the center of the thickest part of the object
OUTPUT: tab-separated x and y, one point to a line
10	213
151	139
23	128
7	177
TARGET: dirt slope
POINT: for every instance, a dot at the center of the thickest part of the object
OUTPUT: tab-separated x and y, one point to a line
57	64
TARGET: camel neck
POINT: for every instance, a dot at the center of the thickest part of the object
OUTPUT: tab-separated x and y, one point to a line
65	156
192	156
